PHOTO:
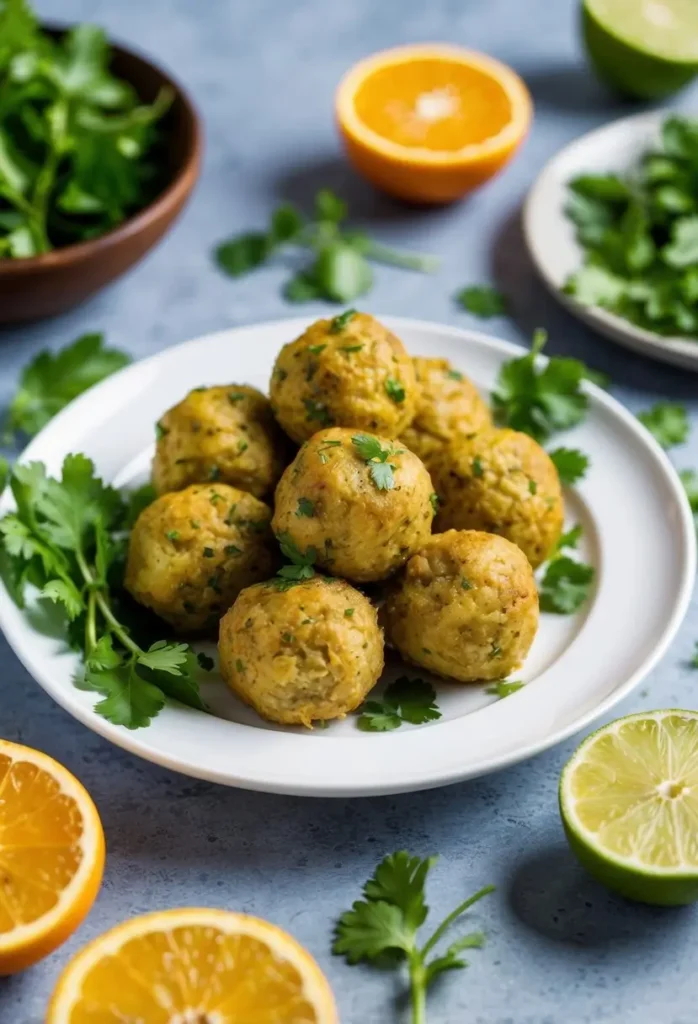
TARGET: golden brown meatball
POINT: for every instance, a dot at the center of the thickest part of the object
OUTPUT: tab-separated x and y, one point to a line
448	406
311	652
503	482
346	372
191	553
225	434
363	518
466	607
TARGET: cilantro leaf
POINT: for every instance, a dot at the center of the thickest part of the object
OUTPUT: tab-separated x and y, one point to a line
382	475
65	593
570	463
570	539
164	657
4	473
395	390
246	252
129	699
540	400
368	447
667	422
52	380
305	508
382	928
504	688
405	700
565	586
482	300
338	323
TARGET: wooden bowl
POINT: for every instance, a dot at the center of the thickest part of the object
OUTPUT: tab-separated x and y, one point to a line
44	285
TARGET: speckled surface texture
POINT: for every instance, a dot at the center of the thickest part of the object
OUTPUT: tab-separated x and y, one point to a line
560	948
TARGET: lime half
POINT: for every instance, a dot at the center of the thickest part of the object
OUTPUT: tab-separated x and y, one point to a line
629	804
643	48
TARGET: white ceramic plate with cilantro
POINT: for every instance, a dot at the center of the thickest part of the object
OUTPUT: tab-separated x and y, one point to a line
637	533
616	149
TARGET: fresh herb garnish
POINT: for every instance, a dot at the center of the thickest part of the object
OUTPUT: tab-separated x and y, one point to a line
454	375
503	688
77	149
338	323
65	538
640	235
566	585
689	479
395	390
540	401
301	564
348	612
52	379
315	410
405	700
667	422
172	535
570	463
570	539
482	300
339	268
372	451
383	926
478	469
434	502
305	508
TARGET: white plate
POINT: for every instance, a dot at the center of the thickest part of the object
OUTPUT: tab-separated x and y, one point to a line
639	534
550	235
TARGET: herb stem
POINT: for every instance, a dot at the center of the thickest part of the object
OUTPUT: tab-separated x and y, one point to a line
418	989
448	921
399	258
103	605
91	624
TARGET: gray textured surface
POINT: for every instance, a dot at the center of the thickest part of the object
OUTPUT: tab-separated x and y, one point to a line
560	948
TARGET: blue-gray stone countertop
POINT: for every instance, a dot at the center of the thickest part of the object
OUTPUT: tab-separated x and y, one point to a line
560	948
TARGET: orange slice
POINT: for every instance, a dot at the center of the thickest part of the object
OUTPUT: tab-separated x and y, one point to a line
193	967
51	855
429	123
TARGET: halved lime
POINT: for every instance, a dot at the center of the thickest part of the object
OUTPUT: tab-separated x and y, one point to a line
629	804
643	48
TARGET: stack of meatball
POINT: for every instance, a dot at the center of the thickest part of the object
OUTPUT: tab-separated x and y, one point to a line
449	578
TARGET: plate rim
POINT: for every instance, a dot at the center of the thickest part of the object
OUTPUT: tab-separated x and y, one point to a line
674	350
129	741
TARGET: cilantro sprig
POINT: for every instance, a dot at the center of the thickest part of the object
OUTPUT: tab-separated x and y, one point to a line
482	301
570	463
376	455
66	538
566	582
383	927
667	422
301	565
53	379
339	268
540	399
405	700
639	234
78	151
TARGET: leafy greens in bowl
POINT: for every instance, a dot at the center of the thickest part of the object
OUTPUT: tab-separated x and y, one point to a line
78	149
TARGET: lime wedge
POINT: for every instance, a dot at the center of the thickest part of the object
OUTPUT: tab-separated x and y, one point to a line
643	48
629	804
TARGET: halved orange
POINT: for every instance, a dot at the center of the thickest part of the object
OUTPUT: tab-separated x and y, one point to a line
429	123
51	855
193	966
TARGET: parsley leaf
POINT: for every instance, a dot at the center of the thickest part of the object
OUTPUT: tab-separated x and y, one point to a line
570	463
52	380
667	422
301	566
482	300
382	927
540	400
570	539
405	700
565	586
